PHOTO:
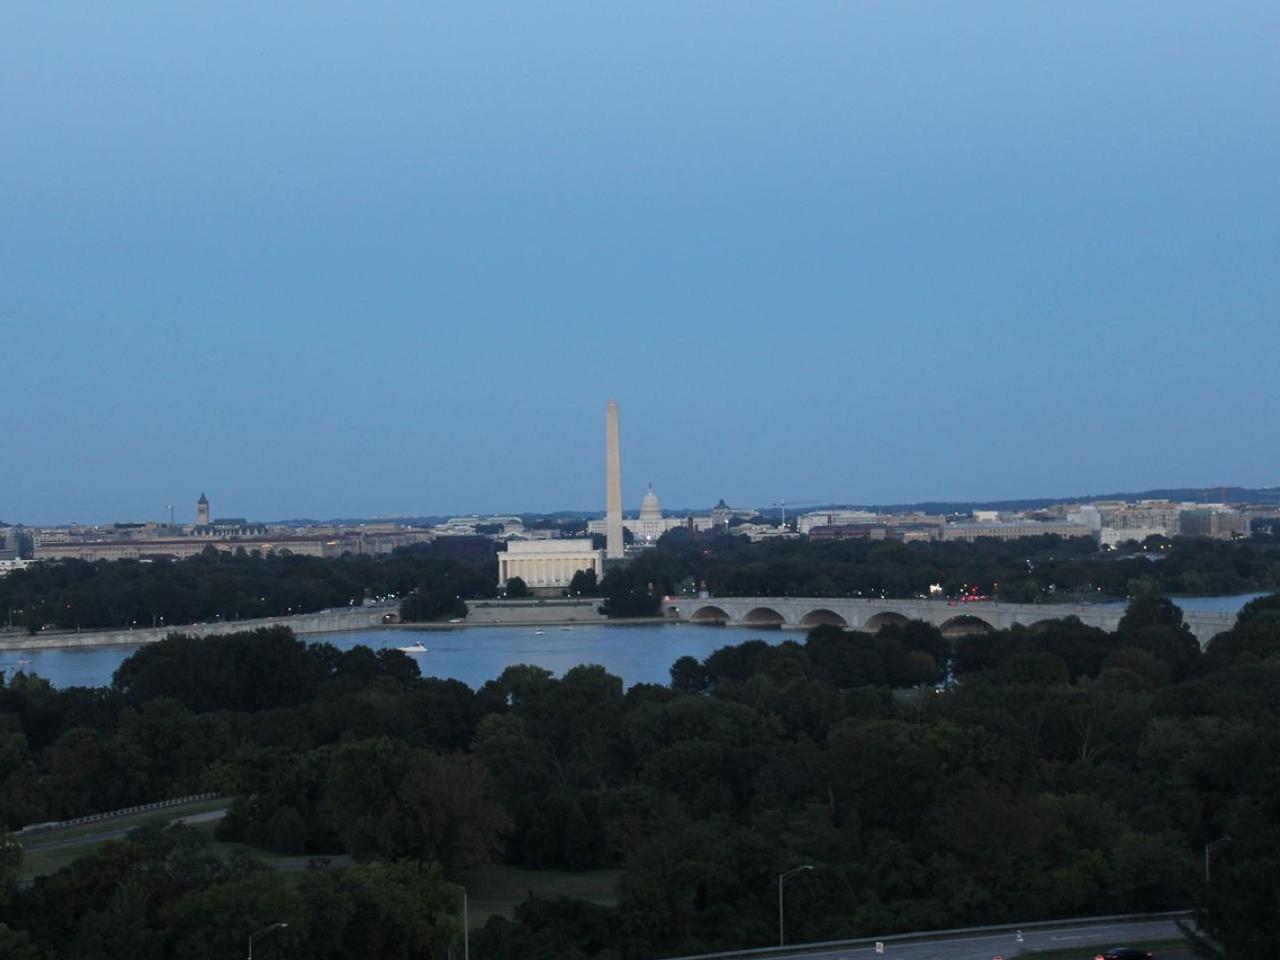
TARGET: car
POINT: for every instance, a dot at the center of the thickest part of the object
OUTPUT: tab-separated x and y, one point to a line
1125	953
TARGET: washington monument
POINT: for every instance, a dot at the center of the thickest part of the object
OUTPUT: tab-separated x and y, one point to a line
613	547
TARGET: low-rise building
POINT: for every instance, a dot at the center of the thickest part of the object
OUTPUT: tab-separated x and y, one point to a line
1218	522
1114	536
182	548
227	528
13	543
12	564
1152	516
756	532
806	523
851	531
1011	530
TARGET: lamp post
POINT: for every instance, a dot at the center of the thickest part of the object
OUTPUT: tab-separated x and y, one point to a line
262	933
1208	849
782	878
466	931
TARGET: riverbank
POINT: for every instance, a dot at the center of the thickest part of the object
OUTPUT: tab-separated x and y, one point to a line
337	620
306	625
636	651
469	624
482	613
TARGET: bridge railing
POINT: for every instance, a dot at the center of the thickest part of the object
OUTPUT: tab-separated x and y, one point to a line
37	828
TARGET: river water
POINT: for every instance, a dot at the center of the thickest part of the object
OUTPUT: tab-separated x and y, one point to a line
638	653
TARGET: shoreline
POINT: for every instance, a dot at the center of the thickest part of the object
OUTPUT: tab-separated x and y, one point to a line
338	620
602	622
343	620
130	638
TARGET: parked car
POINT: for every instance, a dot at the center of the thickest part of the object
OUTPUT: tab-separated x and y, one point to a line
1125	953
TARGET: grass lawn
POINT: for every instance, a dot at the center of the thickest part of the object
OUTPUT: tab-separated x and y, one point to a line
39	862
494	890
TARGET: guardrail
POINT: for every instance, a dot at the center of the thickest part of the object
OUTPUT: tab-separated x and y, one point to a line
37	828
863	942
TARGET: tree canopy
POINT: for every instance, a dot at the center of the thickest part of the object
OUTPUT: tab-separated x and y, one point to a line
1006	777
71	594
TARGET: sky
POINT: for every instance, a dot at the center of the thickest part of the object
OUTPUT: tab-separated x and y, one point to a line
334	259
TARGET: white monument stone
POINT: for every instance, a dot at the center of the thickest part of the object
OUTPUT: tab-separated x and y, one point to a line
613	543
548	563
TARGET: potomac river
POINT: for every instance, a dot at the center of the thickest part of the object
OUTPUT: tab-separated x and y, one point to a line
638	653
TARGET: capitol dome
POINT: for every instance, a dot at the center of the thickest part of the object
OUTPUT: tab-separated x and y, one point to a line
650	508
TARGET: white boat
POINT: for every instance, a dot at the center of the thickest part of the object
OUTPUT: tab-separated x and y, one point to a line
538	633
413	648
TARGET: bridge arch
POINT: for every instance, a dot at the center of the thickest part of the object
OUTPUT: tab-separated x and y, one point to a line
763	617
965	625
709	614
822	616
884	619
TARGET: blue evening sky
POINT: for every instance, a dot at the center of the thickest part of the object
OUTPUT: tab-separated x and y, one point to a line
335	259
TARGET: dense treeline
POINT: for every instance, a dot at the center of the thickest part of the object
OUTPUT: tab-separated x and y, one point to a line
931	784
166	892
71	594
1031	570
434	580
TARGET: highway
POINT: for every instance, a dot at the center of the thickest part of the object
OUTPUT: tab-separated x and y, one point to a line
1005	944
109	833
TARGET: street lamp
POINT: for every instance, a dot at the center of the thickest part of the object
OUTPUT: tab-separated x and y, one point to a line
782	877
466	932
1208	849
262	933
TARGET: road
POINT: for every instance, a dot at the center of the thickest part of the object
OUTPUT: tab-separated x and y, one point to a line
119	833
985	946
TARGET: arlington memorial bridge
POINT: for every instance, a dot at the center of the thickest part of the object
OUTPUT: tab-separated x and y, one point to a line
952	618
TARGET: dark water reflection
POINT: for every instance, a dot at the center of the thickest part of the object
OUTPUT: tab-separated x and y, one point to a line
639	653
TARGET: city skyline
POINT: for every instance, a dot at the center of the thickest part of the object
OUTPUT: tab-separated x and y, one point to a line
1234	494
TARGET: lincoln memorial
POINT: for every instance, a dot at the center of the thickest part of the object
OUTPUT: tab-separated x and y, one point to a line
548	563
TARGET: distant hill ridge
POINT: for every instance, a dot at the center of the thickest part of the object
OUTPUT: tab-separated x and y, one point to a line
1177	494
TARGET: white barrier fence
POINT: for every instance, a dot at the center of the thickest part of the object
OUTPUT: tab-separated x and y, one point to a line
36	828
